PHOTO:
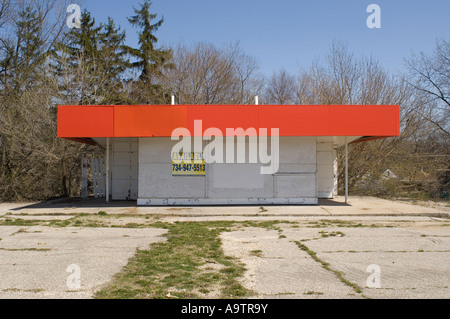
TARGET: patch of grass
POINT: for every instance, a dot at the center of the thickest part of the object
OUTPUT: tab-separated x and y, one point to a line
176	268
267	224
313	293
133	225
61	223
21	230
323	223
325	234
256	252
81	220
25	249
284	293
101	213
18	222
23	290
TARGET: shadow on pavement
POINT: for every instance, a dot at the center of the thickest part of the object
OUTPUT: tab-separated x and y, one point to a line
332	202
78	202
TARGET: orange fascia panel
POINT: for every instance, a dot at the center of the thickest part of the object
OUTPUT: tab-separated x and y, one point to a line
85	121
223	117
147	121
296	120
383	120
332	120
291	120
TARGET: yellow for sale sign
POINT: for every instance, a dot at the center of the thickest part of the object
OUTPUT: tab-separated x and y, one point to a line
188	164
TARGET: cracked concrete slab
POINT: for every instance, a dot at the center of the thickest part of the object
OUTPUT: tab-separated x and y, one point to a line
34	260
412	259
277	268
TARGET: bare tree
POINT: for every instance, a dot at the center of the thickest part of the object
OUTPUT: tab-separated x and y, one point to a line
33	162
205	74
280	88
430	75
5	6
343	79
251	82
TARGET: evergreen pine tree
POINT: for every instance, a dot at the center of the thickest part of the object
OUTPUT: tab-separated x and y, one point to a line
150	60
24	55
114	61
76	64
112	50
93	58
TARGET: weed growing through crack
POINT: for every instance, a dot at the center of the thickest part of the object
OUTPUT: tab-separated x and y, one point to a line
326	266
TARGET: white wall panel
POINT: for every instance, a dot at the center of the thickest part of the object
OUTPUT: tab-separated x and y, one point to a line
237	181
124	168
297	150
297	168
296	185
155	150
325	170
122	145
156	181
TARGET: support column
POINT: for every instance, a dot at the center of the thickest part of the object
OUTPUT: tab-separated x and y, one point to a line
84	177
107	170
346	171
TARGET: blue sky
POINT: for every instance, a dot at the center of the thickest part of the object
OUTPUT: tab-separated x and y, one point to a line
290	34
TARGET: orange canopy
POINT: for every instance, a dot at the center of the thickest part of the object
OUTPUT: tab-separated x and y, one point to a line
83	122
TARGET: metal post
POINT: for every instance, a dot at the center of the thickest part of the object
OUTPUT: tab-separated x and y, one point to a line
94	176
173	100
84	181
107	170
256	100
346	171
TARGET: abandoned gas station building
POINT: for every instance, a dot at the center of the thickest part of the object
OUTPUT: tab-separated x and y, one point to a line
301	140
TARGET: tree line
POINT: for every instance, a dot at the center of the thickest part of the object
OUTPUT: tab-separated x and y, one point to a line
43	64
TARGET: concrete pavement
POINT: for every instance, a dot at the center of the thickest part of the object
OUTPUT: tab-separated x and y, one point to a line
357	206
60	263
384	257
321	251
